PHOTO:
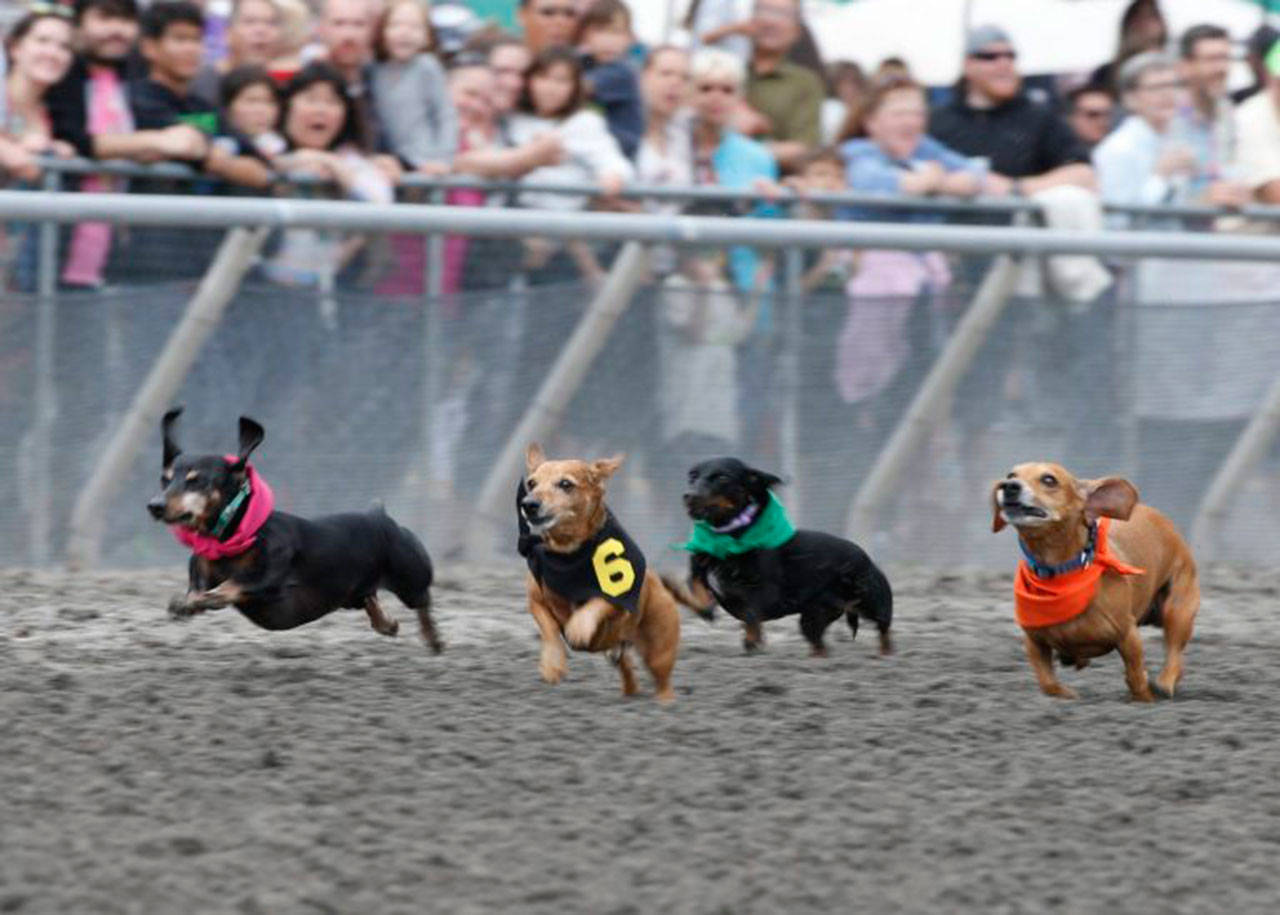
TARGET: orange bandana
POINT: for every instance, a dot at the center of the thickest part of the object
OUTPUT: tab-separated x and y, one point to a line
1048	601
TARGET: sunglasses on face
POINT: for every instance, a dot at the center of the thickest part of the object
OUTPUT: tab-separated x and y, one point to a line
717	87
550	12
990	56
1094	114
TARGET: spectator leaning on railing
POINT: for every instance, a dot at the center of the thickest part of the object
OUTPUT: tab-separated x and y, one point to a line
173	45
1143	161
38	50
1028	147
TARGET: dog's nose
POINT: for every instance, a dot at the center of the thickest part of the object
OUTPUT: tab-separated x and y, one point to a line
530	506
156	507
1010	490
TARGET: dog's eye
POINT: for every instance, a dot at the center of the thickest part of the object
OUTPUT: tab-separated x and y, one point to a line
1049	479
531	484
566	485
1009	475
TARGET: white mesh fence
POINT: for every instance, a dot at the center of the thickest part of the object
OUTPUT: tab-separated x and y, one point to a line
371	389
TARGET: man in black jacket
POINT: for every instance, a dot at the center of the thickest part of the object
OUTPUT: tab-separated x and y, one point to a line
1028	145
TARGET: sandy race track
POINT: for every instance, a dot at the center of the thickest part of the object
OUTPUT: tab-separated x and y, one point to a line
161	767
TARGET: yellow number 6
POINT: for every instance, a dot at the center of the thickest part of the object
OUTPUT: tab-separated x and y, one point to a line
614	572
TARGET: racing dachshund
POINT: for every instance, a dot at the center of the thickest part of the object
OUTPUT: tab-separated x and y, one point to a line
279	570
588	583
1096	565
746	557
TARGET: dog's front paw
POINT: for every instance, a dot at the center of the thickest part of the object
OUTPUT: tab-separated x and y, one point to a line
180	608
1058	691
553	666
581	628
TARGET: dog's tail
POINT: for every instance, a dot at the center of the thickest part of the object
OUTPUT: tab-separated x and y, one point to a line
875	602
693	595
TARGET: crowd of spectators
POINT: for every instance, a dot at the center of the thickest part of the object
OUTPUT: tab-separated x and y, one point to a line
362	93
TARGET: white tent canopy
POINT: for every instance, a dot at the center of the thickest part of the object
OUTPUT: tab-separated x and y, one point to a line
1052	36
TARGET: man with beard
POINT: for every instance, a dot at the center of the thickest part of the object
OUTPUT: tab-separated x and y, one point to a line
90	110
1206	123
90	107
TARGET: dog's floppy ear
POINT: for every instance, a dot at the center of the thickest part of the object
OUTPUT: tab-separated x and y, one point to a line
761	481
607	467
1110	497
533	457
171	449
251	436
997	520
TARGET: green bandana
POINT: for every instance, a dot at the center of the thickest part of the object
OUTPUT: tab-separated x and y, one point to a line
771	530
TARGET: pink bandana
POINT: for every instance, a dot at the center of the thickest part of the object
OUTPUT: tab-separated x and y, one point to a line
261	503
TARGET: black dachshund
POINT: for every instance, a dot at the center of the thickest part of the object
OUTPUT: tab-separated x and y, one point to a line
279	570
747	558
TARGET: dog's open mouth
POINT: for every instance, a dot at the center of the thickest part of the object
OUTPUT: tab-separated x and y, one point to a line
1017	511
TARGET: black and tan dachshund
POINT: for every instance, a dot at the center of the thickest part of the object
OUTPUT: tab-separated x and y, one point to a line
279	570
816	575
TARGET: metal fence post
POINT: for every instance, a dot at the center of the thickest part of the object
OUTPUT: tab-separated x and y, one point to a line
40	440
935	391
629	269
792	340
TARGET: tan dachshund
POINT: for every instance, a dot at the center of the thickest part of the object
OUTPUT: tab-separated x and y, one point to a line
588	584
1097	565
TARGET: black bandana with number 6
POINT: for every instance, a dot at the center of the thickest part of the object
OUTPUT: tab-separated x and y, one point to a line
609	565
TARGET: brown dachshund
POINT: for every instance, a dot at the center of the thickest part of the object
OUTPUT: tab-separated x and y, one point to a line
587	582
1097	566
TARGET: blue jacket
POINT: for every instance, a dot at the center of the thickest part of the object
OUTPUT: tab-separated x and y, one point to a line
870	169
739	161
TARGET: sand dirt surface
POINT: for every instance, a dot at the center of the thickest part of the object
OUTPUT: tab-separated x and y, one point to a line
153	766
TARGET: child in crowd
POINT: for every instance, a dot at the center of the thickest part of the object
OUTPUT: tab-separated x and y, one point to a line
173	45
604	37
822	172
251	106
410	90
552	103
320	127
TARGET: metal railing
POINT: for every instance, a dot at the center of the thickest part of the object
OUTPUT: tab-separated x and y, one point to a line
1202	214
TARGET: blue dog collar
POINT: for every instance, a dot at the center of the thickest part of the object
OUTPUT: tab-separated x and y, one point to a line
1083	561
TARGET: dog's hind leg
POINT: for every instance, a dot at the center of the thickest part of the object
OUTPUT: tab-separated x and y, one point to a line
1135	671
426	625
1041	658
1179	618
